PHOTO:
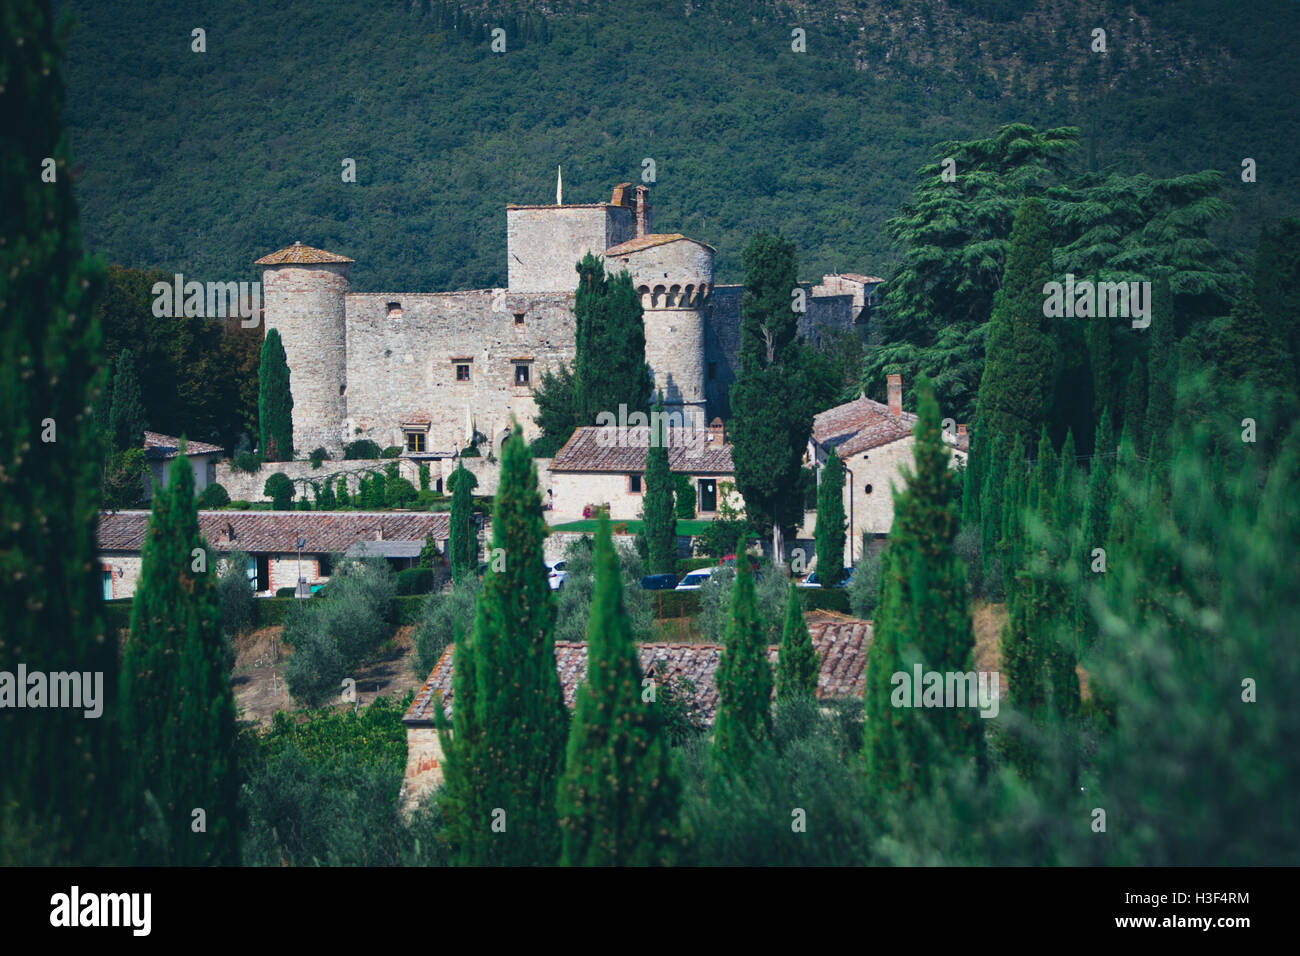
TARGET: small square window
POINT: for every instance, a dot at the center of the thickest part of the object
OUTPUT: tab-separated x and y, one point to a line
634	484
519	318
394	310
415	441
462	372
522	373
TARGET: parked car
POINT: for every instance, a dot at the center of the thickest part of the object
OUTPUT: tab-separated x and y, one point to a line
556	574
812	581
659	582
695	580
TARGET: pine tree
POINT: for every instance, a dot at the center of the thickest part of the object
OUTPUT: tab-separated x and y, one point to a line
275	401
922	619
179	713
1276	284
796	663
620	796
126	418
463	542
830	522
744	679
516	720
59	799
1014	390
1098	334
660	520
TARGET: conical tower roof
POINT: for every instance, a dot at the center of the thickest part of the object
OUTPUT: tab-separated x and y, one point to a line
298	254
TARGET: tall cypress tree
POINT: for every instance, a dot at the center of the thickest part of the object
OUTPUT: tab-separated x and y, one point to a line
275	401
1014	393
744	679
1135	405
58	791
126	418
796	662
620	796
463	542
1162	372
609	366
660	520
922	619
516	720
830	522
179	713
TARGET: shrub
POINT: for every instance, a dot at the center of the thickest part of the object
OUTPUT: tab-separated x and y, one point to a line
214	496
317	456
400	493
392	451
441	616
424	477
470	452
864	589
279	489
967	547
239	504
248	463
686	565
234	594
285	592
683	497
415	581
574	599
361	450
771	592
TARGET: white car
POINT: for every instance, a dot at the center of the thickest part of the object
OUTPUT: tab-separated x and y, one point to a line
556	574
695	580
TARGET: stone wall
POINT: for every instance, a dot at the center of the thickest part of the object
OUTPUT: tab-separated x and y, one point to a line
245	487
403	369
423	767
544	242
125	567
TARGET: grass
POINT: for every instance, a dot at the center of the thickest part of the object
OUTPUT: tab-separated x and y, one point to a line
690	527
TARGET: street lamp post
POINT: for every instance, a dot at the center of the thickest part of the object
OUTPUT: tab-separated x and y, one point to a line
302	543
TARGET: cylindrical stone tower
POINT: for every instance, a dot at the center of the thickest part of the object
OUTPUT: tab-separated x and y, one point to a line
303	293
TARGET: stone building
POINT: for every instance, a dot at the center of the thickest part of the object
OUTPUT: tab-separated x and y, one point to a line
874	441
161	450
428	371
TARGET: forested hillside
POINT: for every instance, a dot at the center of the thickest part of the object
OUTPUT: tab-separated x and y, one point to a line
200	162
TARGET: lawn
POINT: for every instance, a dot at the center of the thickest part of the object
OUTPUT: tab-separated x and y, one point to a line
687	527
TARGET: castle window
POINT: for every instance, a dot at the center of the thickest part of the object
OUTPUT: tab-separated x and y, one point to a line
462	372
519	318
634	484
523	373
868	489
394	310
415	441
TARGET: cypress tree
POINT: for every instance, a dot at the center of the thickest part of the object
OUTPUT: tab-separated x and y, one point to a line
59	801
972	479
991	500
1097	334
660	520
126	418
341	495
1014	390
744	679
830	522
1162	372
796	663
922	619
609	366
620	796
1276	284
275	401
179	713
463	542
1135	405
517	720
464	805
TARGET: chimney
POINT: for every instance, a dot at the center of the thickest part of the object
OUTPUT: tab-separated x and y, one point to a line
642	211
895	394
379	532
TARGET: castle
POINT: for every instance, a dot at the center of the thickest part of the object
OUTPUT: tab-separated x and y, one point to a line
429	370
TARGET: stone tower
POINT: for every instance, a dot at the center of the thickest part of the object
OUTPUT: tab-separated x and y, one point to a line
303	293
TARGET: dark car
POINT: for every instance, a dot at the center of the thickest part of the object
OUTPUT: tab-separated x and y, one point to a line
659	582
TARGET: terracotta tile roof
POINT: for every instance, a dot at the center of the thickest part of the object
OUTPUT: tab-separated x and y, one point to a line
644	242
689	451
864	424
841	643
298	254
277	531
158	446
859	277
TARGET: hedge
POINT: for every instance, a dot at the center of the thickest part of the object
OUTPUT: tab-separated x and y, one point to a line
686	565
415	581
675	603
825	599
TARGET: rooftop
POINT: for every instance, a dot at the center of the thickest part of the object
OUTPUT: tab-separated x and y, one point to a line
650	240
298	254
602	448
864	424
159	447
841	644
277	531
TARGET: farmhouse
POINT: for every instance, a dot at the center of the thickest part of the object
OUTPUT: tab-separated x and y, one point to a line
281	546
841	644
874	441
160	450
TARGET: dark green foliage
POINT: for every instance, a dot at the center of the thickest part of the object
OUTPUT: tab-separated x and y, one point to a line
1135	405
922	619
275	401
864	589
235	595
126	419
683	496
830	522
279	488
424	477
796	663
660	521
361	450
442	615
769	324
1276	284
557	411
507	753
59	790
415	581
619	797
463	543
341	496
323	493
744	679
429	553
122	483
573	601
318	456
1014	394
399	493
247	462
609	367
1162	372
214	496
179	713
